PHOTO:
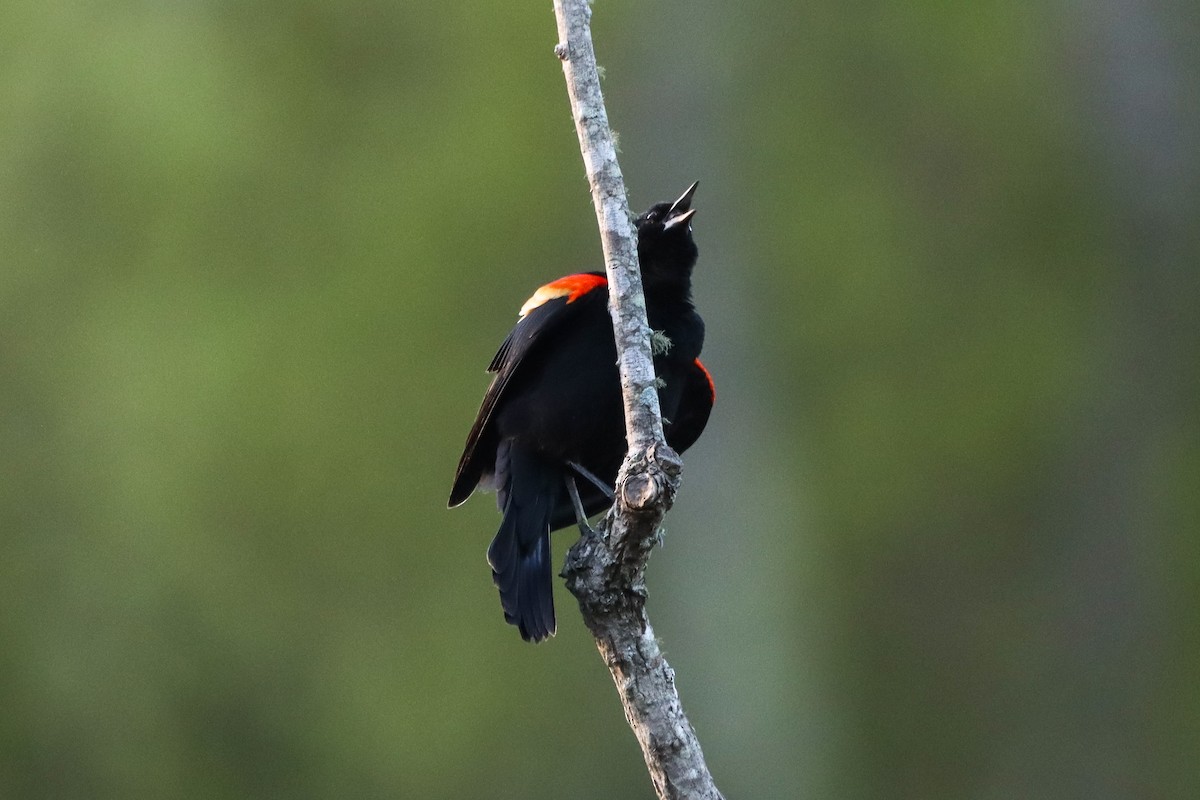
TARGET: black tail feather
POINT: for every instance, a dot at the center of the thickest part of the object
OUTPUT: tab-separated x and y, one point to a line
520	553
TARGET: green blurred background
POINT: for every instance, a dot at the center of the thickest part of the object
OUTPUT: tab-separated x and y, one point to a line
940	540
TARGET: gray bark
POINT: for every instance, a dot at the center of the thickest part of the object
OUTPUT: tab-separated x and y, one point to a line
606	570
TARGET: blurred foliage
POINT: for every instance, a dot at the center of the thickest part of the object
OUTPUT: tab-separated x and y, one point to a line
939	541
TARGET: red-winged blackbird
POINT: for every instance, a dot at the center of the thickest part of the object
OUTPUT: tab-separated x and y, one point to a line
553	411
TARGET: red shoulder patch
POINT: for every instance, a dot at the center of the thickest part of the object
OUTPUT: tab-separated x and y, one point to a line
571	287
712	387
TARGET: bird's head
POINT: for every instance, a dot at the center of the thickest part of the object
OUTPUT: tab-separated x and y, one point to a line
666	249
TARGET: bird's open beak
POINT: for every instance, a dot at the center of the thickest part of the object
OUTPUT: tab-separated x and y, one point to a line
681	210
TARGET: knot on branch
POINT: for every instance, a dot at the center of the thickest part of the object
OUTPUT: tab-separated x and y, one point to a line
604	570
650	478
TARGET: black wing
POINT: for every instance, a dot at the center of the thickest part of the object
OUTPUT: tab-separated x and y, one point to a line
549	307
699	394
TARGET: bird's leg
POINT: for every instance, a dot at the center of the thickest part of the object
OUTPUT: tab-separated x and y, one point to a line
580	517
599	484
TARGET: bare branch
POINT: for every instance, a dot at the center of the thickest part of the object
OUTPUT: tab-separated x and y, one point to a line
606	571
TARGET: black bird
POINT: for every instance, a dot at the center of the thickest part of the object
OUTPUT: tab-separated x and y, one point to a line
550	434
